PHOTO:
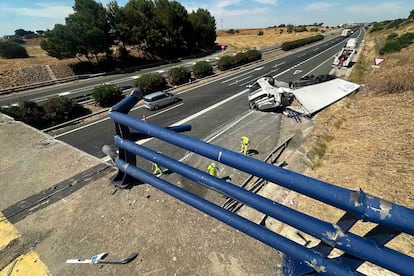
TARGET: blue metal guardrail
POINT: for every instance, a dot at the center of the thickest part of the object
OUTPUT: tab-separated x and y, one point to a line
391	219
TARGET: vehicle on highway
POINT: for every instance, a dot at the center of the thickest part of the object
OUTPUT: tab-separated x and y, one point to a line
159	99
313	94
344	57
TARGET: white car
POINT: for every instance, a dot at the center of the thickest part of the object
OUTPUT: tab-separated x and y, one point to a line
159	99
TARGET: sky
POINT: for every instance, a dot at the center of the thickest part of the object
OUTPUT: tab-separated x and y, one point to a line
33	15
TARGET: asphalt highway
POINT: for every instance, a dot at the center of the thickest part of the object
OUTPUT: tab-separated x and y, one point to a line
219	101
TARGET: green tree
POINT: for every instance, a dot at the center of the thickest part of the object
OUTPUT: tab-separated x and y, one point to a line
202	69
10	49
150	82
22	32
59	42
239	59
203	27
174	26
139	26
253	55
179	75
411	16
60	109
29	112
225	63
89	23
86	32
106	95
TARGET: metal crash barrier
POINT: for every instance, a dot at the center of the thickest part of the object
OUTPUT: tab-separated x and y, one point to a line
390	219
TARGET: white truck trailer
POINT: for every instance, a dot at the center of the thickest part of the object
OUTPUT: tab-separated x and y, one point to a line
346	32
269	94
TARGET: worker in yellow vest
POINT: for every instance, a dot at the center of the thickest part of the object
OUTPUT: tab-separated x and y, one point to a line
212	169
156	169
244	145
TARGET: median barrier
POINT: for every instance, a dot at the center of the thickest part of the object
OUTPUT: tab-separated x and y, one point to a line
390	219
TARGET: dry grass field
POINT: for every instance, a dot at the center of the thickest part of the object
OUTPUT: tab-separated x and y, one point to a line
249	38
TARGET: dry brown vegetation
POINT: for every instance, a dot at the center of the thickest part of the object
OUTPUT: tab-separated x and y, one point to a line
21	71
367	140
248	38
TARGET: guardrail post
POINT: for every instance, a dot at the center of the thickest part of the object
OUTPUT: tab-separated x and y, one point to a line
123	180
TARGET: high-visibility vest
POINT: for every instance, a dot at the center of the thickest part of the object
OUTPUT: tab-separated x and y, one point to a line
212	170
245	140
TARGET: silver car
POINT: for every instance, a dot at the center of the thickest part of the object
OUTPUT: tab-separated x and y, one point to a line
159	99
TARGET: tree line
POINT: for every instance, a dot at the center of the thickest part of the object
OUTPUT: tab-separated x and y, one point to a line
159	27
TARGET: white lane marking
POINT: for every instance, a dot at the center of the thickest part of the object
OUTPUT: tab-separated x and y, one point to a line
143	141
238	76
238	80
259	68
64	93
209	108
302	55
287	70
135	77
228	127
277	65
107	118
329	59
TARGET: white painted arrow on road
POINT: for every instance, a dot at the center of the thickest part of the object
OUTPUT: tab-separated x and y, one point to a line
297	72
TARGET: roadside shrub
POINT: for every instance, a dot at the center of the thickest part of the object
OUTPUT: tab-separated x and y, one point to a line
17	40
231	31
225	63
61	109
395	43
260	33
406	39
239	59
28	112
253	55
300	29
202	69
289	45
106	95
392	36
395	23
12	50
150	82
178	75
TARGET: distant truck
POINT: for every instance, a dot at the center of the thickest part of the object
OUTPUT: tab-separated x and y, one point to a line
346	32
344	57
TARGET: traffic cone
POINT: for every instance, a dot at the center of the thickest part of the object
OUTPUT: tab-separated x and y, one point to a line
144	118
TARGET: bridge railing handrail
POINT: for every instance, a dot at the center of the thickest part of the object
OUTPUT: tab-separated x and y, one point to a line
357	203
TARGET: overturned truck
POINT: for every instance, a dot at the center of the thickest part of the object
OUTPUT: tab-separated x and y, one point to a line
312	94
